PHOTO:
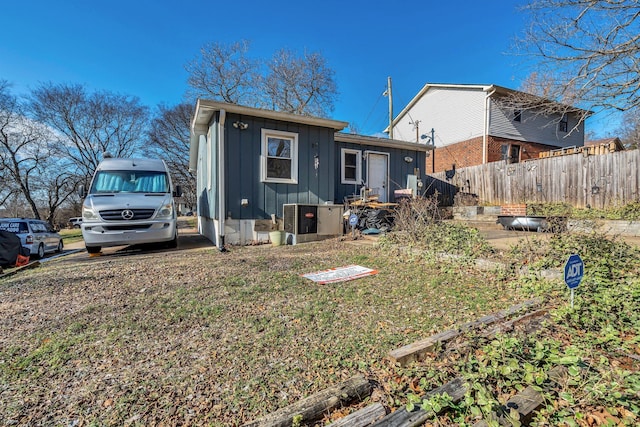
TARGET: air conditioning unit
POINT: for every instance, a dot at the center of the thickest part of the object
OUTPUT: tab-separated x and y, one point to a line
307	223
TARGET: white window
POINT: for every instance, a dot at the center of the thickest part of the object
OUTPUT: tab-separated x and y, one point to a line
351	170
279	157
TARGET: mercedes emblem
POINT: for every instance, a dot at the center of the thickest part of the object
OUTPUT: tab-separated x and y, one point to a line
127	214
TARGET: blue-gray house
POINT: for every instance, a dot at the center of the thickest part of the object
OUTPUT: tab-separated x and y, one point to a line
254	166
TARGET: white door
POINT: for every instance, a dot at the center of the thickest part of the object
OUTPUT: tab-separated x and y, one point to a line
377	173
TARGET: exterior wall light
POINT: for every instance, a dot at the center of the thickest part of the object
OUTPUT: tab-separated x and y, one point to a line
240	125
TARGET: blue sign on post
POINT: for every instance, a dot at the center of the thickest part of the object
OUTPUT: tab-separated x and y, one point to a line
353	220
573	271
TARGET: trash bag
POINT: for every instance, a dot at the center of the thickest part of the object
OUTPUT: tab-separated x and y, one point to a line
11	251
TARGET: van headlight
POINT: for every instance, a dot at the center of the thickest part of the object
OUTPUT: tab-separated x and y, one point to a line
166	211
89	214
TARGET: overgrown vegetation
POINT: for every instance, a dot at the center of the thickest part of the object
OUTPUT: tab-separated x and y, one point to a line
419	224
628	212
597	341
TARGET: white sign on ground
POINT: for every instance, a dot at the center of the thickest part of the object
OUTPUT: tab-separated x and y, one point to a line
340	274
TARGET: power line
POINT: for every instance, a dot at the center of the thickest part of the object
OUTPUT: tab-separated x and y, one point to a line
373	109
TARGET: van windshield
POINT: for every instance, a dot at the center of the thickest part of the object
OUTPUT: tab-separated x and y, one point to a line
130	182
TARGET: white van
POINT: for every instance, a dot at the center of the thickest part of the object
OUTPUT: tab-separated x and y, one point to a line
130	201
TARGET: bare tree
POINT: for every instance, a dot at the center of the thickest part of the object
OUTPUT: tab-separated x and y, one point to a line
90	124
630	130
55	184
22	149
168	138
300	85
224	72
587	52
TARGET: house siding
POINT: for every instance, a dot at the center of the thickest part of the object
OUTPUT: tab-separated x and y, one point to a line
534	128
398	168
243	158
454	114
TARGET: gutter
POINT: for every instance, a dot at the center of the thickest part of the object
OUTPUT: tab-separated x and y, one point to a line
221	181
485	134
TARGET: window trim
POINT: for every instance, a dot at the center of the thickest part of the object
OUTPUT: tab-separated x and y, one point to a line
517	115
508	158
293	137
563	124
358	179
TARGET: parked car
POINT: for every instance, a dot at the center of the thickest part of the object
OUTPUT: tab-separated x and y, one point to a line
75	222
35	235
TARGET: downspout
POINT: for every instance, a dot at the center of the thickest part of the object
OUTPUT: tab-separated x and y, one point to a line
221	181
485	134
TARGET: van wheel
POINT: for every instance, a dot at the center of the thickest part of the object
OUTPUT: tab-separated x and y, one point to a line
93	249
40	253
60	246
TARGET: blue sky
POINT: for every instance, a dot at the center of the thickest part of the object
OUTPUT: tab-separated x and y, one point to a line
140	47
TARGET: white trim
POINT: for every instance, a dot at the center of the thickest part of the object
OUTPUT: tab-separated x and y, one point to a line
358	178
206	108
293	137
381	142
386	173
222	213
209	162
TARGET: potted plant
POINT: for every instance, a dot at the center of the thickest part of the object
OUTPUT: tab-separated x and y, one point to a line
276	235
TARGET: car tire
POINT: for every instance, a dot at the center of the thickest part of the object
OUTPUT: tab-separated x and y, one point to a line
172	244
60	246
40	253
76	226
94	249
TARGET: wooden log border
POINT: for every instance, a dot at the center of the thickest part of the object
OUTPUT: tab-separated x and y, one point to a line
314	407
417	350
527	402
455	388
15	270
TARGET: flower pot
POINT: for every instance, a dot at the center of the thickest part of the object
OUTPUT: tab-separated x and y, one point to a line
277	237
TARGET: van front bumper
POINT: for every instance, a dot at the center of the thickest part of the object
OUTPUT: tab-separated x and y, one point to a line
119	233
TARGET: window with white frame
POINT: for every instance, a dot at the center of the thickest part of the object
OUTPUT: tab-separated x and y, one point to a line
279	157
351	166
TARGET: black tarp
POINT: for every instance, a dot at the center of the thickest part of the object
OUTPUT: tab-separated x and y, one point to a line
10	247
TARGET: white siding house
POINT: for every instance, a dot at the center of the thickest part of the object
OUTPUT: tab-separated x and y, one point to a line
472	124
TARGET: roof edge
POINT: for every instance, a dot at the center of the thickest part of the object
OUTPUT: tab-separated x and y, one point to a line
203	106
380	142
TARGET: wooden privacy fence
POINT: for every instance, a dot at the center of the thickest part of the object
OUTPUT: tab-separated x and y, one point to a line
580	180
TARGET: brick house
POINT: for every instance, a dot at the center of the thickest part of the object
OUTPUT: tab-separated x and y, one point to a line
472	125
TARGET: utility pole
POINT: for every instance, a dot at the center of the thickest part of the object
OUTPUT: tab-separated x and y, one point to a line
416	127
390	107
433	151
